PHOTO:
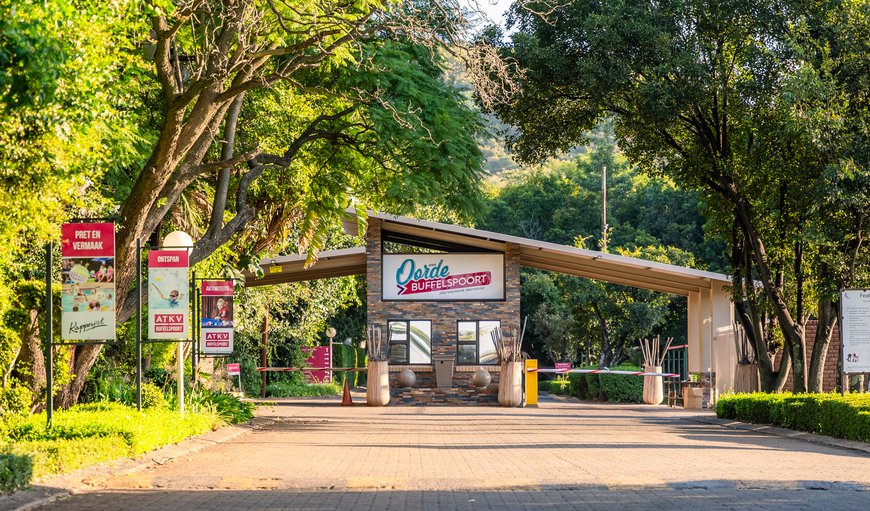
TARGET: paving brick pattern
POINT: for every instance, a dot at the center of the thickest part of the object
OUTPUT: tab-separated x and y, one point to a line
567	455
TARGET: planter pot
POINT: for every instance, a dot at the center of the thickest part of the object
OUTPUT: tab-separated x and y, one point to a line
653	386
378	383
510	384
746	378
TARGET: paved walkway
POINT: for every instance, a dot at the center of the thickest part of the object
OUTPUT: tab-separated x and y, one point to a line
568	455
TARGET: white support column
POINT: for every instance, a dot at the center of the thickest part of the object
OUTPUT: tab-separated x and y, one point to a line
694	332
725	351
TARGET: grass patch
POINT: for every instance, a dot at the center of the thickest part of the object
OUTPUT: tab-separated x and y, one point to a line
94	433
828	414
283	389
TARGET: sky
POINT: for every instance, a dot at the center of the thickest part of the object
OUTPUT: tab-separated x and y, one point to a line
494	9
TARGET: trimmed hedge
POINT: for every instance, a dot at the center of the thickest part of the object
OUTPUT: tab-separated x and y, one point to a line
557	387
830	414
349	356
282	389
616	388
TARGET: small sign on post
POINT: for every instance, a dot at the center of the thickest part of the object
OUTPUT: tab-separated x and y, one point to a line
563	367
236	370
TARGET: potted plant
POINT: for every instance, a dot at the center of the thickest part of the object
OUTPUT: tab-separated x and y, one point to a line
510	383
653	358
378	380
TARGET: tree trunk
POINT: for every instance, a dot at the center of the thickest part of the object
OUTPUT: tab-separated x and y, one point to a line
34	358
604	355
782	374
827	321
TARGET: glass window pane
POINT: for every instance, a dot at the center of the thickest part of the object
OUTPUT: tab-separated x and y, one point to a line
487	345
398	354
467	354
421	342
467	331
398	330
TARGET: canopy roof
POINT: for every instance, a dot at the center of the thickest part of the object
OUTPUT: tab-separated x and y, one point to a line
534	254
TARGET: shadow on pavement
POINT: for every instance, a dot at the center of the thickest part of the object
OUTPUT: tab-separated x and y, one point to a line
692	495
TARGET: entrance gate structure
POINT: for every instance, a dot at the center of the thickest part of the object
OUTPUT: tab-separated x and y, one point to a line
456	327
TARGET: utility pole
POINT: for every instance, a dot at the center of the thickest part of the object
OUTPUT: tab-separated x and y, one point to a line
604	209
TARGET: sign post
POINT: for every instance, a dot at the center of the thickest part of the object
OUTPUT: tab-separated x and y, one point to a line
236	370
854	333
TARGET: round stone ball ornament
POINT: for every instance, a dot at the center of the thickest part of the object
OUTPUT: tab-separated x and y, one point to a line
481	378
406	378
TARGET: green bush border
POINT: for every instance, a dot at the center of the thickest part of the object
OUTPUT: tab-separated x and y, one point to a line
615	388
846	417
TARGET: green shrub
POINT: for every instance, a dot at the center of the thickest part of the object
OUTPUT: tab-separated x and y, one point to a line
559	387
229	408
98	432
16	471
152	396
281	389
828	414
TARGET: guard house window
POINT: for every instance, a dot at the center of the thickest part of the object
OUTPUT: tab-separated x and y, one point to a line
410	342
474	343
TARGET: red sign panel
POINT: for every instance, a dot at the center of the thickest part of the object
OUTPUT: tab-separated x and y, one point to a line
87	240
563	366
217	288
234	369
320	356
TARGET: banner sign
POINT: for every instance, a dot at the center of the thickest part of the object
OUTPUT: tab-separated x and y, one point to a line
217	317
443	277
168	303
234	369
318	356
88	277
855	330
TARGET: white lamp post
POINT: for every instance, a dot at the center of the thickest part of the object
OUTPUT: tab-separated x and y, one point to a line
179	240
330	332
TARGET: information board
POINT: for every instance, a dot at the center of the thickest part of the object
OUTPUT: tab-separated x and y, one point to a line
855	330
168	303
217	317
88	281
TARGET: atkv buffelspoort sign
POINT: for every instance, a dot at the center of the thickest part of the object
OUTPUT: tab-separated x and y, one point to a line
217	317
88	280
444	277
168	303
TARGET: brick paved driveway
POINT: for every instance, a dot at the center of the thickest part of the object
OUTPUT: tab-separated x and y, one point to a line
567	455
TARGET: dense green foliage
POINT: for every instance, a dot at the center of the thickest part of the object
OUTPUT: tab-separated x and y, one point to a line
89	434
616	388
826	414
586	321
284	389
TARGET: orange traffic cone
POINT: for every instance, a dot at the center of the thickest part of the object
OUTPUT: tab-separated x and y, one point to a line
346	399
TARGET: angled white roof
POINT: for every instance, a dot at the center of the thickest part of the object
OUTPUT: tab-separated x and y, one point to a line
532	253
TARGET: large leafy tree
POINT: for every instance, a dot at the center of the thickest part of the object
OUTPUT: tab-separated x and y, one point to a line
259	122
738	99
